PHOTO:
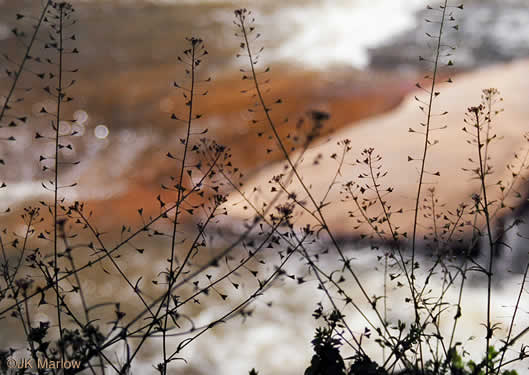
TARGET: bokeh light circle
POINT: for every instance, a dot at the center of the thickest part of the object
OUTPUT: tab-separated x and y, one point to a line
101	131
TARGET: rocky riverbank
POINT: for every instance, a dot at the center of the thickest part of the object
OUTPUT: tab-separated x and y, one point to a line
125	84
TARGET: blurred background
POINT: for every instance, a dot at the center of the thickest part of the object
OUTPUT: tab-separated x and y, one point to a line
354	59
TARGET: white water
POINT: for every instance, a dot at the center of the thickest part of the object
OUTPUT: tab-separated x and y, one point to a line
324	33
277	340
314	33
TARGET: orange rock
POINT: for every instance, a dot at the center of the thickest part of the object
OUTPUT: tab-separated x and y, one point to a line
348	96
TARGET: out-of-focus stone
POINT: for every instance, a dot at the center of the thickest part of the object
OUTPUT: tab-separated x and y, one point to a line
401	151
348	96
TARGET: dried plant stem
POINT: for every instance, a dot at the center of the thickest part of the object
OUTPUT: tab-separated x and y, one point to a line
3	110
171	281
143	228
10	281
123	275
248	300
475	231
26	57
159	301
164	300
303	250
317	207
394	235
27	328
426	138
482	174
56	174
162	317
422	169
508	341
458	305
304	253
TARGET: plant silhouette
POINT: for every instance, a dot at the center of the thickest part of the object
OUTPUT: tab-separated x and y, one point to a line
168	268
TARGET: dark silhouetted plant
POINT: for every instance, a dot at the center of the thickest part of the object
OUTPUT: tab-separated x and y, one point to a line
61	245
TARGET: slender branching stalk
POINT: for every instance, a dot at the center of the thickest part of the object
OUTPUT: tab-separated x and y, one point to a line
241	16
21	65
194	54
58	118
